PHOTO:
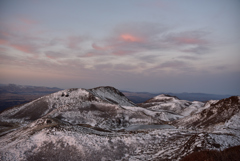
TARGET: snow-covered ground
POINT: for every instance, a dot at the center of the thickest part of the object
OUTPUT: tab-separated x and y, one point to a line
102	124
62	142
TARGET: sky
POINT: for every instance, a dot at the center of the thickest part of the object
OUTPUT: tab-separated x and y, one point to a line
135	45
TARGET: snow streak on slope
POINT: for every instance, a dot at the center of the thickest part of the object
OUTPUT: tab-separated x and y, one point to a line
207	105
160	115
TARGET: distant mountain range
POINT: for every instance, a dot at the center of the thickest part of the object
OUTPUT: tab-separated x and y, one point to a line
140	97
12	95
20	89
103	124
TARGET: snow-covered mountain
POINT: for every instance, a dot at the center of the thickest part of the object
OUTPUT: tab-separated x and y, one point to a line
113	95
224	114
102	124
172	104
99	107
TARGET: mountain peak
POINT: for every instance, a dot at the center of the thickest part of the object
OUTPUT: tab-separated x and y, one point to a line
112	95
161	96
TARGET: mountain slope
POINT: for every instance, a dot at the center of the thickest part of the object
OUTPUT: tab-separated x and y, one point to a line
51	139
220	113
171	104
113	95
100	124
94	107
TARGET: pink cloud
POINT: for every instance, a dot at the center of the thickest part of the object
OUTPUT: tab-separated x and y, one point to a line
187	38
120	45
23	48
27	48
189	41
130	38
2	41
21	41
50	57
133	38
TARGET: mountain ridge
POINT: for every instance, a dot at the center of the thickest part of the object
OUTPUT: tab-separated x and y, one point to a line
12	95
102	124
218	112
140	97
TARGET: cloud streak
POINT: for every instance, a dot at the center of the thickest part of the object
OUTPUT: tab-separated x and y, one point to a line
54	55
173	64
133	38
197	50
75	42
130	39
26	48
189	41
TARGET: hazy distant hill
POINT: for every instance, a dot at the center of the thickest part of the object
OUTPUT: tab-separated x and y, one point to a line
140	97
12	94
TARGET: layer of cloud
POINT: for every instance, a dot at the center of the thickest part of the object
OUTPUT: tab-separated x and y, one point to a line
55	55
187	38
135	42
188	57
173	64
74	42
131	38
197	50
134	38
189	41
115	67
23	42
